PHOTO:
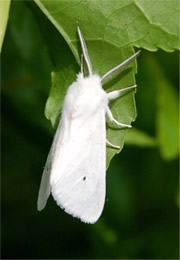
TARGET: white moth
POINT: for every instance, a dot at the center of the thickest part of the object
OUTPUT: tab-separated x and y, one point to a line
75	171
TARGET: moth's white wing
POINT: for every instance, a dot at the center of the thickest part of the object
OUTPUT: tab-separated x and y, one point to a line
44	190
78	171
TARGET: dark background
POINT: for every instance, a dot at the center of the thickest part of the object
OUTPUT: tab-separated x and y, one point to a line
140	218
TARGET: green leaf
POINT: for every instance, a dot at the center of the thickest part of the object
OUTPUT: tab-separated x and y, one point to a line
146	24
4	14
157	25
139	138
167	118
111	29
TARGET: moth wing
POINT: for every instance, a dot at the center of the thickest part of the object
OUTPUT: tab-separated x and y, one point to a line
78	172
44	190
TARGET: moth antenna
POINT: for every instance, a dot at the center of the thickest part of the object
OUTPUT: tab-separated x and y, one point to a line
119	67
82	64
85	51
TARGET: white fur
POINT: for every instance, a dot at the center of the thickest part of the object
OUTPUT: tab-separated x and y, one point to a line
79	151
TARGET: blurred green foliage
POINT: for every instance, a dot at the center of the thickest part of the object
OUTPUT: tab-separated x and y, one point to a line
140	218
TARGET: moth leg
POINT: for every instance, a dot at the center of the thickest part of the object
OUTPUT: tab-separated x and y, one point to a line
119	67
112	119
117	93
112	145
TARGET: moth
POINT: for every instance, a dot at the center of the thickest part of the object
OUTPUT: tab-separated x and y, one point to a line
75	170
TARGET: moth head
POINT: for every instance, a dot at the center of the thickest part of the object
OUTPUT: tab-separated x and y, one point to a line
89	81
